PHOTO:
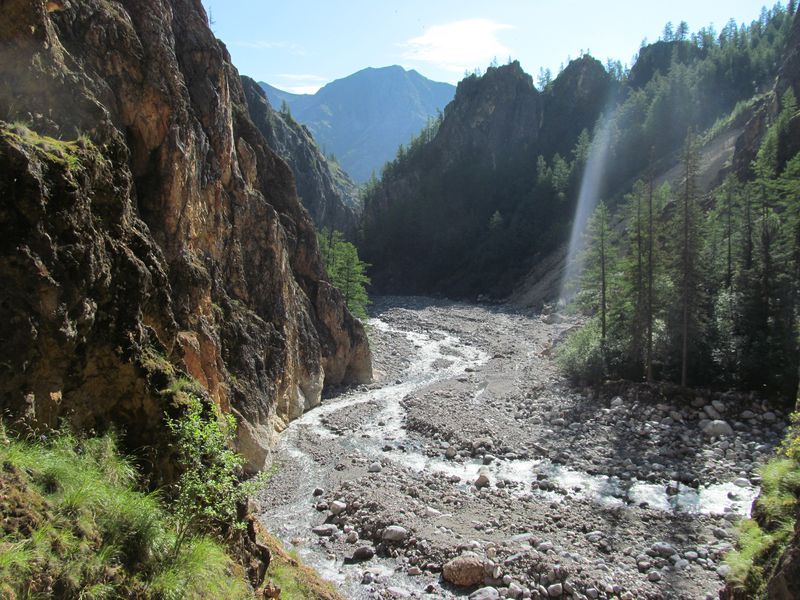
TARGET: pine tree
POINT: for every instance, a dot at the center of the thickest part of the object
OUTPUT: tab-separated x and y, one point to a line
597	267
345	270
686	267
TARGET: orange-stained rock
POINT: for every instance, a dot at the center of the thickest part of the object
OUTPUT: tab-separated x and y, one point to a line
146	223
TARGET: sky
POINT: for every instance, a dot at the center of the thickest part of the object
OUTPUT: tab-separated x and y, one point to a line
300	45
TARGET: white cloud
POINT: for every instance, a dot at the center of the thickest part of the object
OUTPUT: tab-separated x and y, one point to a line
298	83
459	46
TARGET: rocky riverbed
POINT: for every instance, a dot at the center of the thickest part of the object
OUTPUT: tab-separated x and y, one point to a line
471	469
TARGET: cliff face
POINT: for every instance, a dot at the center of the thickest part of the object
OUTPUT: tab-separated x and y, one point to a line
147	226
573	103
478	161
329	195
767	109
478	175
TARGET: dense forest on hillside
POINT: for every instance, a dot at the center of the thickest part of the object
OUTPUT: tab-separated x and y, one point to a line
697	289
502	167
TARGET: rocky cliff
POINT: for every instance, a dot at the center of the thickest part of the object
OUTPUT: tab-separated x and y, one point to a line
148	230
465	209
329	195
769	106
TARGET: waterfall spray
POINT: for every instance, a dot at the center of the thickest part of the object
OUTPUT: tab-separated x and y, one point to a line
587	200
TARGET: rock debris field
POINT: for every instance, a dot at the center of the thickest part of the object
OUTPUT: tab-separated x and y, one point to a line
471	469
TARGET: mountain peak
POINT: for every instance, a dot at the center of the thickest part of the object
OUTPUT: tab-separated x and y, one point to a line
363	118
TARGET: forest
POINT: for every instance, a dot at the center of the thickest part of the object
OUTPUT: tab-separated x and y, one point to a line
699	289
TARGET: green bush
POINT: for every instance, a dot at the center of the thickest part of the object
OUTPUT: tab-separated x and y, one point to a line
580	356
209	488
761	543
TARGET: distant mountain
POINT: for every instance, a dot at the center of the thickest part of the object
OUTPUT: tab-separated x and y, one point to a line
363	118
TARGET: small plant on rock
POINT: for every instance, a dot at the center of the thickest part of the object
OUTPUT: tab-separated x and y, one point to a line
210	487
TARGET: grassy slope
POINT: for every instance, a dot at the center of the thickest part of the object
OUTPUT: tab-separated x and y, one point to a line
74	526
764	538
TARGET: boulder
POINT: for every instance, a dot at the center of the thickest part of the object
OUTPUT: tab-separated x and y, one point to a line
717	428
394	533
464	571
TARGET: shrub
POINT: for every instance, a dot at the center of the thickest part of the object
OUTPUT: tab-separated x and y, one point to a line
580	356
209	488
83	530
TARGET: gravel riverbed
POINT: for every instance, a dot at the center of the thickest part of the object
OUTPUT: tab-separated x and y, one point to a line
470	468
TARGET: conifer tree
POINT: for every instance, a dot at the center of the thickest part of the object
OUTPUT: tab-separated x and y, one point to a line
597	267
345	270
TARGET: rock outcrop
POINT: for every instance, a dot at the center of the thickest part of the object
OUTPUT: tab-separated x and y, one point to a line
329	195
424	223
147	228
461	212
767	109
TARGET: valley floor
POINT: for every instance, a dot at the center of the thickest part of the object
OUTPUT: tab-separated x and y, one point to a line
580	495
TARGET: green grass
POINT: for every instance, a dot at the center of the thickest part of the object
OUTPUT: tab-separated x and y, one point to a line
295	580
82	529
762	540
64	153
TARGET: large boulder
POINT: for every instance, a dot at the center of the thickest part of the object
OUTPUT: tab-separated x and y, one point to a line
464	571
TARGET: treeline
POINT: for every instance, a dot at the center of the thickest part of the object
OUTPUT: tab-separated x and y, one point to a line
685	81
345	270
698	290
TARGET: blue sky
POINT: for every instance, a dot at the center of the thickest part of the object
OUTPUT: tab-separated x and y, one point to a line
299	45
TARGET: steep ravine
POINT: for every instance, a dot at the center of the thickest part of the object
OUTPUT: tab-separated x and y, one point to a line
609	495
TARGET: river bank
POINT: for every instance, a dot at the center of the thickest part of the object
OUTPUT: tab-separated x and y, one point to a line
577	494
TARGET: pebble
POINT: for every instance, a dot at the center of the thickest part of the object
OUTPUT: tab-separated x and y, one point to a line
654	576
363	553
465	570
663	549
485	593
337	507
717	428
483	478
375	467
394	533
325	530
555	590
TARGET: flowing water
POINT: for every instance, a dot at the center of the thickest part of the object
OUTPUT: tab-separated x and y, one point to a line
441	356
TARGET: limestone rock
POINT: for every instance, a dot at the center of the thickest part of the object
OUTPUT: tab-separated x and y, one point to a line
395	533
166	241
717	428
